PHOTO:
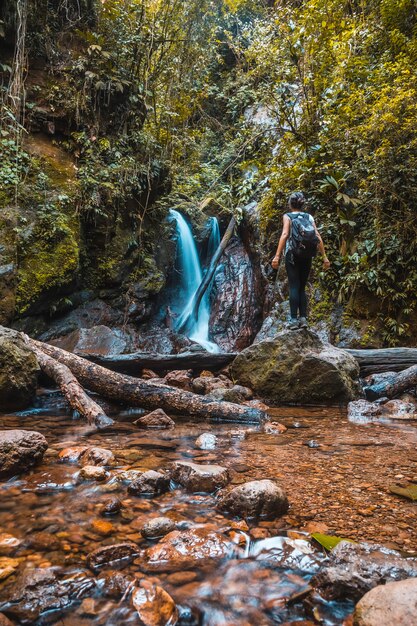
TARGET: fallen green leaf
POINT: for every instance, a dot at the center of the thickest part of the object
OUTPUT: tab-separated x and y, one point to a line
409	492
329	541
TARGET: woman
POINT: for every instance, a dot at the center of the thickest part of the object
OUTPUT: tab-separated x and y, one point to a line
301	239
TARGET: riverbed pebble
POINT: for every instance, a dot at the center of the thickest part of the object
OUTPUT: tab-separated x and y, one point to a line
118	554
206	441
154	605
92	472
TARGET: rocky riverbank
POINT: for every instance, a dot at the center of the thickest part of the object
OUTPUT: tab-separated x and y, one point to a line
149	521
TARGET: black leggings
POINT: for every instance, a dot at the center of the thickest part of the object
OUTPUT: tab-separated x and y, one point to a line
298	273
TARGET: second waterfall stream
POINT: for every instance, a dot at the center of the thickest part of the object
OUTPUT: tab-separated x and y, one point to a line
190	276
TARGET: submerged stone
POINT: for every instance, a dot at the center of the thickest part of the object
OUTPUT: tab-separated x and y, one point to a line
154	605
39	590
116	554
182	549
355	568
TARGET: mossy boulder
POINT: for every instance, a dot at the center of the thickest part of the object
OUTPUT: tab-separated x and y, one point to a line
18	371
49	263
298	367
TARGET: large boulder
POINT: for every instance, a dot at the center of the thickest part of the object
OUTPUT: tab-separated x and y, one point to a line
393	603
18	371
297	366
20	450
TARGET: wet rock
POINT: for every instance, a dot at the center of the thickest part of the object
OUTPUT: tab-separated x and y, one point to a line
296	366
206	441
128	476
295	554
394	603
155	419
149	483
118	554
8	544
362	410
353	569
18	372
274	428
72	454
100	340
50	481
4	621
236	394
180	379
115	584
199	478
182	549
376	379
92	472
398	409
148	374
257	404
39	590
238	293
157	527
257	498
97	456
154	605
44	542
111	506
204	385
20	450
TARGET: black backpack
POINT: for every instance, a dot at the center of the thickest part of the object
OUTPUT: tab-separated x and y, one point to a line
303	240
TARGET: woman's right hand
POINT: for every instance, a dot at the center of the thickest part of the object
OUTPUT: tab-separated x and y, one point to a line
326	263
275	262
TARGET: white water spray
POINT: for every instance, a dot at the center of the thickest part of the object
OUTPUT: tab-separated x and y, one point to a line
191	275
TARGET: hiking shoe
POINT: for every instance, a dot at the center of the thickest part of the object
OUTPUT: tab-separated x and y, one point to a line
292	324
302	322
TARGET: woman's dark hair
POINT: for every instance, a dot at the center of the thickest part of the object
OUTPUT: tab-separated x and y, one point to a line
296	200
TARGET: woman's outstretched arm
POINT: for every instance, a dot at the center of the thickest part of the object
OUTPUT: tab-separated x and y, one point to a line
282	241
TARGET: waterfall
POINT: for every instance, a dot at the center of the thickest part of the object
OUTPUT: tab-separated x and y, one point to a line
190	277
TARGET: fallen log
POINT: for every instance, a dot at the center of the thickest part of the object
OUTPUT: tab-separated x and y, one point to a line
134	362
137	392
70	387
394	385
377	361
209	274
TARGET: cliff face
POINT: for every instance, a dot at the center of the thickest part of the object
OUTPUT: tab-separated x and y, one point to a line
78	217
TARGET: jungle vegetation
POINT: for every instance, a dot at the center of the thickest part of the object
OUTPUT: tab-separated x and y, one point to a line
173	102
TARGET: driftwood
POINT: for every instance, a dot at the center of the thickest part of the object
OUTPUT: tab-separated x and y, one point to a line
136	361
70	387
394	385
376	361
208	276
137	392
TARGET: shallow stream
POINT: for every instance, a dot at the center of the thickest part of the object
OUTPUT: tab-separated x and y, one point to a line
336	475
